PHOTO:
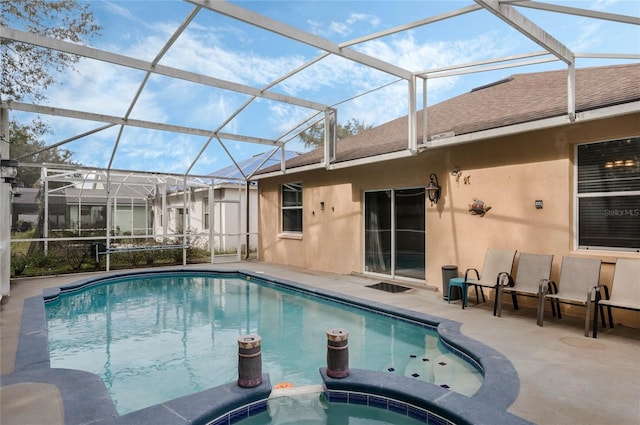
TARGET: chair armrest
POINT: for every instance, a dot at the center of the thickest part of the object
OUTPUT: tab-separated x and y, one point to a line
597	291
466	274
504	279
547	286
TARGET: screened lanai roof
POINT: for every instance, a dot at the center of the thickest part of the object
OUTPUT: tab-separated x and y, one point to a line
202	84
512	105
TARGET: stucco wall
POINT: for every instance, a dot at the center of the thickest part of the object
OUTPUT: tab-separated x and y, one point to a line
509	174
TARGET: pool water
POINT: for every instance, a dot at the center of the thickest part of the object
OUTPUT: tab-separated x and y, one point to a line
155	338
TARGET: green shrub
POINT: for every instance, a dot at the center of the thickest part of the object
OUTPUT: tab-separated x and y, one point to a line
75	255
43	261
18	263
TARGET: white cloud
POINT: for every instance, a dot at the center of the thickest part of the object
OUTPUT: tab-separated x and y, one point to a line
118	10
342	28
604	4
588	36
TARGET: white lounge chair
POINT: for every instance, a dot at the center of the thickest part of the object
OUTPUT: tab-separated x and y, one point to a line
531	279
625	290
578	284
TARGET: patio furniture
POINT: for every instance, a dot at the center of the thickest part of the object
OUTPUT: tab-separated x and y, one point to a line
532	272
578	285
625	291
458	282
497	262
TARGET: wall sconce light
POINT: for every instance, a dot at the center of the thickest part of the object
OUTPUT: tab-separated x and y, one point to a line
433	189
322	206
8	170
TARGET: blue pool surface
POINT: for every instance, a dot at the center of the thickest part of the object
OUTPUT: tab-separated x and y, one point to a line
87	398
155	338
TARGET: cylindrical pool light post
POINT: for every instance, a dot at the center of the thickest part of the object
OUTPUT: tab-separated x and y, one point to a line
338	353
249	361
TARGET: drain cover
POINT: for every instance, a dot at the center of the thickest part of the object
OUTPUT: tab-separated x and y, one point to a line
388	287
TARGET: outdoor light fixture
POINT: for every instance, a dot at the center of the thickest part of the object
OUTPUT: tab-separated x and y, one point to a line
16	189
8	170
433	189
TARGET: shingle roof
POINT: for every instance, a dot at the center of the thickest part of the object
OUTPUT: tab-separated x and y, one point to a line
518	99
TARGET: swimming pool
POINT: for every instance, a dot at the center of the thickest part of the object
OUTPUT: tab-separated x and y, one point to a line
153	338
85	398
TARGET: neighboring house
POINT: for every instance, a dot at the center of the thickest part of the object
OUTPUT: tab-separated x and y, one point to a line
218	208
25	209
86	210
81	210
554	184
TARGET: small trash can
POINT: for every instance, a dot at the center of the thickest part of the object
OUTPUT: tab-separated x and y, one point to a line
449	272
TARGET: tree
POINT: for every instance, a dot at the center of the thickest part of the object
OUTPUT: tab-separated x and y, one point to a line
26	144
314	136
27	70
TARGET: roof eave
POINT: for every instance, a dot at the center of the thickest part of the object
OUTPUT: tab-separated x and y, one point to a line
584	116
478	136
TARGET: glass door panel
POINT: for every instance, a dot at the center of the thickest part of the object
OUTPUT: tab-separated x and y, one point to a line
377	232
410	233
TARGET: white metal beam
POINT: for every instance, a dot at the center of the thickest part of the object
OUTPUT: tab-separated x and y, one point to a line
129	62
576	11
412	131
470	66
630	56
65	141
571	92
412	25
330	136
69	113
536	34
5	211
260	21
475	70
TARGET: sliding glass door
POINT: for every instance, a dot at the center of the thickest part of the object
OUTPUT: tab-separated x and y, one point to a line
377	231
394	232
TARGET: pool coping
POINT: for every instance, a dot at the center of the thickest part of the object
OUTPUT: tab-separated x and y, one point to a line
498	391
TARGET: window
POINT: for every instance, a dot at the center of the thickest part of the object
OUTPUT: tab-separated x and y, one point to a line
608	195
292	207
180	217
205	212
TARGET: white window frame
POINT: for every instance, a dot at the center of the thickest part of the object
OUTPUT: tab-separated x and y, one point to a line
296	234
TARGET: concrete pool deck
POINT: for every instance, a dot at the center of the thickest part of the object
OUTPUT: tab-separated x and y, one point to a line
565	378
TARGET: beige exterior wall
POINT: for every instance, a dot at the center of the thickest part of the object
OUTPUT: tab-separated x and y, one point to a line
509	174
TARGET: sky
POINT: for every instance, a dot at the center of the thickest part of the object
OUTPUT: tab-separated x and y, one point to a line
224	48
